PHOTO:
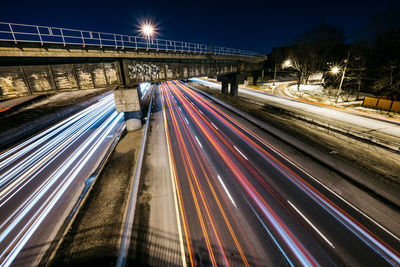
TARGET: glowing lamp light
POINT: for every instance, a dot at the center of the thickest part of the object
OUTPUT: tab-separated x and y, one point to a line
335	70
147	30
287	63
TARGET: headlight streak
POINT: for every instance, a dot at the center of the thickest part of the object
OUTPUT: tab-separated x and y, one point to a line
47	206
214	194
37	164
271	235
50	142
53	130
29	199
43	199
364	234
42	154
297	249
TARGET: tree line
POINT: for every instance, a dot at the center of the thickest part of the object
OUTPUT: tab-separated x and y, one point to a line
371	60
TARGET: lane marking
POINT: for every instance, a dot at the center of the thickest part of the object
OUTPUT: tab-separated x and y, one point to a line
226	190
315	179
198	142
186	121
308	221
364	233
330	190
240	152
215	126
172	175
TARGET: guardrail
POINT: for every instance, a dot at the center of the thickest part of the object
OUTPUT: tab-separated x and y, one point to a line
24	33
133	194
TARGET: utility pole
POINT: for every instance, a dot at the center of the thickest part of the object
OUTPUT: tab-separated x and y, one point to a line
341	80
274	75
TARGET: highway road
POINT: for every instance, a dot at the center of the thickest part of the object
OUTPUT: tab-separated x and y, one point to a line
242	202
42	178
369	123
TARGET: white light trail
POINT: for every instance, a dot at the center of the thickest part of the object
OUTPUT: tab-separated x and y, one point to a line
88	129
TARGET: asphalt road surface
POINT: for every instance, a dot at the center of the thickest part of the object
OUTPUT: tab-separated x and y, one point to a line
42	178
378	125
242	202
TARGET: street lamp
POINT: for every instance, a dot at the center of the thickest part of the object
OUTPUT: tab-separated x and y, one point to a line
147	30
287	63
335	70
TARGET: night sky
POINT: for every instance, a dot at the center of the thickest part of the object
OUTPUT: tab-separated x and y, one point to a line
251	25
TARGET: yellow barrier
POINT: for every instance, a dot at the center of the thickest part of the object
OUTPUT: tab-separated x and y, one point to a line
395	106
370	102
384	104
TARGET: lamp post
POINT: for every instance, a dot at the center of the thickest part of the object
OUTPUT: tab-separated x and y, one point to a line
341	80
286	64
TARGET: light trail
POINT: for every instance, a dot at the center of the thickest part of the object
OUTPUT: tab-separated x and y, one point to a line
298	251
37	173
251	169
364	234
196	181
250	189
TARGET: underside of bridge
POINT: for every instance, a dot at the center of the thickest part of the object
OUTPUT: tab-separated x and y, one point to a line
27	69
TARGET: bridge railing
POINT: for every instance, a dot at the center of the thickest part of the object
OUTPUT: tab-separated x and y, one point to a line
23	33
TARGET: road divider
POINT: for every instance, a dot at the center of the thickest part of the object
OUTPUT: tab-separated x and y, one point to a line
130	209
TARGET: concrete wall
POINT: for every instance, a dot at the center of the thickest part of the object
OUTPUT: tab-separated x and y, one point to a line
143	70
42	79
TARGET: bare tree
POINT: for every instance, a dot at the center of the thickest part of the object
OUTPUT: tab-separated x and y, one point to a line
312	49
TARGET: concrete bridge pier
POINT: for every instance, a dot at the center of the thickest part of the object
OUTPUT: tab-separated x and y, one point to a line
127	101
224	87
234	79
234	87
254	76
255	80
127	98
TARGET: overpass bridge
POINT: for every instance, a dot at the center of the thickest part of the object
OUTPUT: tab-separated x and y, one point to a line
42	60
